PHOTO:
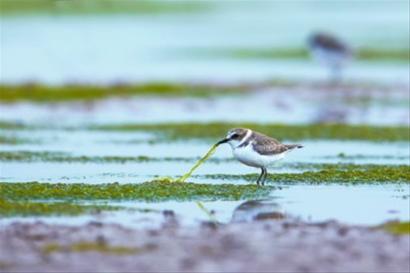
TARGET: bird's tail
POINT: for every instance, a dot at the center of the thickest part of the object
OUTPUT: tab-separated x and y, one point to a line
293	146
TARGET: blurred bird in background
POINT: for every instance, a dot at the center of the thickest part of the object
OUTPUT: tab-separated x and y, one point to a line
330	51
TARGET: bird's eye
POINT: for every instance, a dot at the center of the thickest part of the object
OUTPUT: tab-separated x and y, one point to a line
233	136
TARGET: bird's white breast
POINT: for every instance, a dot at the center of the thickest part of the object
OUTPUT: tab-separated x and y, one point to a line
249	157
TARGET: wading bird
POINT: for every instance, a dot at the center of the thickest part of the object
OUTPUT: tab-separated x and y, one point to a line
256	150
331	52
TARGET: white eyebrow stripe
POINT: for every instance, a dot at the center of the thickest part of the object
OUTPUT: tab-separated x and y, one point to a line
247	136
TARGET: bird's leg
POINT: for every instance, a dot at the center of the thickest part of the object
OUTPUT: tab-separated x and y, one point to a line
265	174
260	176
335	74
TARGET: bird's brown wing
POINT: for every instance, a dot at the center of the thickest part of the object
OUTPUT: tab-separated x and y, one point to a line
268	146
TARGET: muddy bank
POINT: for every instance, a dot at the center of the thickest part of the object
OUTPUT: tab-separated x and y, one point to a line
281	245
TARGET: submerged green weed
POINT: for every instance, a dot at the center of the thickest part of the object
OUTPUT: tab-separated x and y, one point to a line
84	7
102	247
160	190
46	93
27	208
62	157
366	54
14	125
30	156
215	131
13	140
345	156
350	174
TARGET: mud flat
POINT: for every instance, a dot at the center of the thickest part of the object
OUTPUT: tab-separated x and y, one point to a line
269	245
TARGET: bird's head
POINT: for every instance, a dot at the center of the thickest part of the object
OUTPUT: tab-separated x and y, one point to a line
234	136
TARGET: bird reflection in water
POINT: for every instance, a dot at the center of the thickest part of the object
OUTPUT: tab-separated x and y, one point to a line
255	210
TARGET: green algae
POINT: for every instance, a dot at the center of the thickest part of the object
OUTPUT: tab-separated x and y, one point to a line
401	54
97	246
63	157
26	208
364	54
95	7
14	125
40	93
169	189
48	93
159	190
397	228
13	140
197	164
47	156
332	174
362	156
182	131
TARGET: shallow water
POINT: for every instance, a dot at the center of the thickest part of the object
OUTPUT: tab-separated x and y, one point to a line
137	172
294	105
142	49
371	204
303	103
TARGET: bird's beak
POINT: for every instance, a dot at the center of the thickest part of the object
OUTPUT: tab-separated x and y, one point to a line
222	141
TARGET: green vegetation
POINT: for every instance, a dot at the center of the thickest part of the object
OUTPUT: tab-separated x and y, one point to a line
13	140
384	54
39	93
83	7
11	125
397	228
26	208
216	131
97	246
163	189
365	54
362	156
46	93
30	156
158	190
349	174
198	163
